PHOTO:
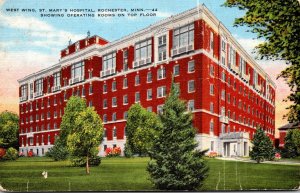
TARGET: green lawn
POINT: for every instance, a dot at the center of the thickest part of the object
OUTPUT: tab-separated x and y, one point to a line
130	174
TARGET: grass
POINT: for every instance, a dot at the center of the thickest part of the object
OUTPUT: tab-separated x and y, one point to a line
130	174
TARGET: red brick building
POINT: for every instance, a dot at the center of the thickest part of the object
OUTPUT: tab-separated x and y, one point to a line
227	91
283	131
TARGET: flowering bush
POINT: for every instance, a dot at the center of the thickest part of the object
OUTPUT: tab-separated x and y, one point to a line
212	154
277	156
113	152
30	154
2	152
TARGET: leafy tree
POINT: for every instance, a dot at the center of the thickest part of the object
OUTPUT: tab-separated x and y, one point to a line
278	23
9	130
58	151
141	128
262	147
74	107
175	163
292	143
87	135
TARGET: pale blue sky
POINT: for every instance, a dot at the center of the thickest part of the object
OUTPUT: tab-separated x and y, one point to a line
111	28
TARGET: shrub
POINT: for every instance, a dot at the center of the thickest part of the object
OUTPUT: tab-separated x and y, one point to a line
127	151
212	154
11	154
30	154
113	152
2	152
58	152
81	161
277	156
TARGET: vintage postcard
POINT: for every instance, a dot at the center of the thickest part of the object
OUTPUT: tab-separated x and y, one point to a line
134	95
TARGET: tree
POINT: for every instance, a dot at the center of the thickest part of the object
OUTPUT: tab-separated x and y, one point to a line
74	107
175	164
278	23
58	151
9	130
141	129
292	143
262	147
87	135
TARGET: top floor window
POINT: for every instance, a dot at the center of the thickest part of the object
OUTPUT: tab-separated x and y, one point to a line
211	41
109	61
109	64
77	71
39	87
183	36
143	50
162	48
77	46
24	90
57	79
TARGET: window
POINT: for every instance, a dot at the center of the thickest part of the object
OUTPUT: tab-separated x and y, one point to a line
125	60
109	64
211	125
191	86
90	103
161	91
104	118
231	57
211	41
55	114
176	70
212	70
223	76
212	146
114	102
125	99
48	115
114	86
228	98
77	46
90	74
125	83
37	117
149	77
242	66
149	109
162	48
183	36
160	109
105	103
191	66
39	87
83	92
211	89
77	71
125	115
149	94
114	116
161	73
24	91
91	89
223	94
137	80
211	107
56	80
191	105
137	97
143	50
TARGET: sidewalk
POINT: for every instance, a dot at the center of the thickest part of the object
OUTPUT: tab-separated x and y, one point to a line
242	159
